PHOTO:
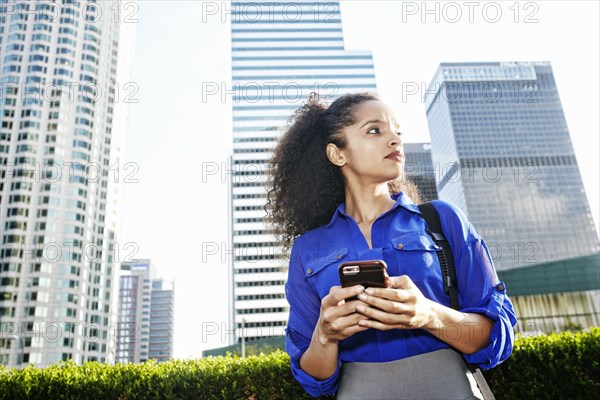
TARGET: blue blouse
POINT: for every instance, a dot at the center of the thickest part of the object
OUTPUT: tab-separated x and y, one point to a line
398	237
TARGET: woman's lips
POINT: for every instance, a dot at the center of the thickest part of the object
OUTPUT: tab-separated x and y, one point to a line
396	156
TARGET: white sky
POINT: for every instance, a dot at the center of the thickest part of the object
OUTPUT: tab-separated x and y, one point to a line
173	210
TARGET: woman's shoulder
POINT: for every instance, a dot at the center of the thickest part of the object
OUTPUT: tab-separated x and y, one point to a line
312	236
455	222
448	209
320	242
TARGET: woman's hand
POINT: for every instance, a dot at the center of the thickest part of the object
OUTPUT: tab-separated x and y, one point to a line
339	319
402	305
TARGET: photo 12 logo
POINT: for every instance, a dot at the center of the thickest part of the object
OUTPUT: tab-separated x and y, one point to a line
92	12
254	92
453	12
273	11
36	92
52	332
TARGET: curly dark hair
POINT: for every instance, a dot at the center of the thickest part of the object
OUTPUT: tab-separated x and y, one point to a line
304	187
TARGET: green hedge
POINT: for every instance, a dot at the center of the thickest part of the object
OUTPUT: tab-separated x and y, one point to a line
558	366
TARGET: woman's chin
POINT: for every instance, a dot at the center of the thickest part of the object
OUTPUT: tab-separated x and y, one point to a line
395	175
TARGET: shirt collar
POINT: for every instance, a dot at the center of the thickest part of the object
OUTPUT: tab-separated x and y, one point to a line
401	199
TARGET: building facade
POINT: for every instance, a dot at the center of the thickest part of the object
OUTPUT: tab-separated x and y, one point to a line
162	313
502	147
146	314
499	136
419	168
281	52
62	133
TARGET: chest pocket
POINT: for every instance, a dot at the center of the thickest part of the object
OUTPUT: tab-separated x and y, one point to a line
417	257
322	272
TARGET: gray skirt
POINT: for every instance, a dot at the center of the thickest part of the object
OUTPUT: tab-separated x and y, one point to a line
441	374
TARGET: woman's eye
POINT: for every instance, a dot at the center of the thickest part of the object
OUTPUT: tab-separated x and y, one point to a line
374	130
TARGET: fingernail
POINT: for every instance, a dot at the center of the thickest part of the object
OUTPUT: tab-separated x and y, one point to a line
360	308
362	297
362	322
369	291
359	289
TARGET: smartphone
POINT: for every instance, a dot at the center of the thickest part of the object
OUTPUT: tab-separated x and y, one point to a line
369	273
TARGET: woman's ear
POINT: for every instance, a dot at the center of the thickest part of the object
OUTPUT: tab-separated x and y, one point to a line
334	155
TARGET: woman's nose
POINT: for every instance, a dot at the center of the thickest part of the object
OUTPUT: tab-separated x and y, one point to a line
395	140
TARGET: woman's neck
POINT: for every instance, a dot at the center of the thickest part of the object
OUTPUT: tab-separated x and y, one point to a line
365	204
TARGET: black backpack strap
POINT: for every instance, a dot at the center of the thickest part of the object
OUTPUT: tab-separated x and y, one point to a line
446	257
431	216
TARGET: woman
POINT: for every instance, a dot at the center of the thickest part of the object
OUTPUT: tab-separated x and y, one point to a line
337	191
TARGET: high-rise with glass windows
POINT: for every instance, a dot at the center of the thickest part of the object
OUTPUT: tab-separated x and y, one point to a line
62	135
501	142
419	168
281	51
146	311
162	314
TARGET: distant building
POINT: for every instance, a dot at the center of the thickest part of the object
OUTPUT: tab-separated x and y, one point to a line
146	310
420	169
162	305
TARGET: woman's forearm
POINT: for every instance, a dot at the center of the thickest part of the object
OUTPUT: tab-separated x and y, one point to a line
466	332
320	360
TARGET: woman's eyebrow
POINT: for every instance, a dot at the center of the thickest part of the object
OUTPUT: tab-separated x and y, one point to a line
371	121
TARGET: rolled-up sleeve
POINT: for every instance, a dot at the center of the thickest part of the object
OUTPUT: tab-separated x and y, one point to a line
305	305
480	290
500	310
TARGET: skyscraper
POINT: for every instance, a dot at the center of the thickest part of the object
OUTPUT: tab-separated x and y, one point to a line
281	51
62	138
146	310
162	313
500	139
420	169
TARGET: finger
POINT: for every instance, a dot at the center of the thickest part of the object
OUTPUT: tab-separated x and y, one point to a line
400	295
387	317
401	282
346	322
348	332
338	293
371	323
333	313
341	325
388	305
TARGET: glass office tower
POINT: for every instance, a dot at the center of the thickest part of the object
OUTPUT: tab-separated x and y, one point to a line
146	311
281	51
501	143
419	168
62	136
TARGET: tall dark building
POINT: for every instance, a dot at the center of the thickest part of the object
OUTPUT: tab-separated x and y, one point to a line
499	136
419	167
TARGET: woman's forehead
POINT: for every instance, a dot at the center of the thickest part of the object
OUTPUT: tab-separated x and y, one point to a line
373	110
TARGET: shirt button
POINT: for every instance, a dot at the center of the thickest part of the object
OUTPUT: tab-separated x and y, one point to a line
309	271
339	256
399	245
500	287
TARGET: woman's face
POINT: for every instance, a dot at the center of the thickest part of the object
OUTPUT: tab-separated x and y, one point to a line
374	152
